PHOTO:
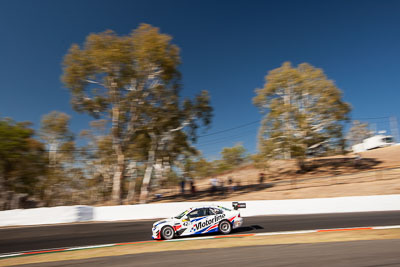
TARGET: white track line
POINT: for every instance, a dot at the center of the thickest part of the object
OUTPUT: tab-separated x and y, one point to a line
94	246
386	227
287	233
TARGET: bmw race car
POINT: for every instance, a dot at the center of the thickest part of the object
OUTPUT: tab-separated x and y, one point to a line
199	220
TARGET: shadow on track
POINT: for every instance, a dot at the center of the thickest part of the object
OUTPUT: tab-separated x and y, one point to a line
243	229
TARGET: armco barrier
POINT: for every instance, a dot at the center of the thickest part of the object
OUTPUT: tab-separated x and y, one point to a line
163	210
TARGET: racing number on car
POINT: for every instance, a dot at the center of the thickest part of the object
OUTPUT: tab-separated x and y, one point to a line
185	223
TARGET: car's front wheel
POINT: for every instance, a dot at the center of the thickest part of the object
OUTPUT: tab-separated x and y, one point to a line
225	227
167	232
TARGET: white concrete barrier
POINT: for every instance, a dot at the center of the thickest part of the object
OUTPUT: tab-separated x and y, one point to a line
145	211
163	210
63	214
254	208
323	205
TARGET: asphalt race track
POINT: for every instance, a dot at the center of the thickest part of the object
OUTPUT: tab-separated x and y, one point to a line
354	253
16	239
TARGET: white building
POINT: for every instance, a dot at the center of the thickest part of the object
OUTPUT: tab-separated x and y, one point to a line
373	142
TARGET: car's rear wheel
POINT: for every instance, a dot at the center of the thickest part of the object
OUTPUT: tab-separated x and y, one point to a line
225	227
167	232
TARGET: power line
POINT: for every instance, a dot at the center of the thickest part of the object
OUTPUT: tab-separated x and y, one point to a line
258	121
215	141
230	129
224	139
373	118
210	134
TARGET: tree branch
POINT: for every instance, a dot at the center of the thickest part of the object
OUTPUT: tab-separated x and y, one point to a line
96	82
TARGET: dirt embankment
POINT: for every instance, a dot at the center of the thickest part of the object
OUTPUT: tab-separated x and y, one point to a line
376	172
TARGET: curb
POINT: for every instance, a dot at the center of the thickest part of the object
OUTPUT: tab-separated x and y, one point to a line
55	250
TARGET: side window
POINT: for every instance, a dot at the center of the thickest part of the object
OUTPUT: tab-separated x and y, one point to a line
202	212
209	211
193	214
198	213
216	211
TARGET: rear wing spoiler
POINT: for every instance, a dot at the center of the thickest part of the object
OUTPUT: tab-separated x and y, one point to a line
237	205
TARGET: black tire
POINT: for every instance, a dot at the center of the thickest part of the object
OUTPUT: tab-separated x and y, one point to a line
167	233
225	227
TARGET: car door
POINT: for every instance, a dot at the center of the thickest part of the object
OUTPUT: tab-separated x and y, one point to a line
188	220
199	220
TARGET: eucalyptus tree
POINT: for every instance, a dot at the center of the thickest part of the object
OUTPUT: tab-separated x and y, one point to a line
172	127
58	185
358	132
132	81
22	163
235	155
54	130
304	113
96	160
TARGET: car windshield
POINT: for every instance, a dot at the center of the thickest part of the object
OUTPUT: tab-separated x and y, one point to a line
181	215
388	140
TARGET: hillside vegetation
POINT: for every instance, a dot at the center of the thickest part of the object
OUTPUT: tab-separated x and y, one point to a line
377	172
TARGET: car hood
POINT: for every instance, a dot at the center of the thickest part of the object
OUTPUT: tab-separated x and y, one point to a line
164	221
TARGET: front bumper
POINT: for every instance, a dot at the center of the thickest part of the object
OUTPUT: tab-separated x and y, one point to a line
156	234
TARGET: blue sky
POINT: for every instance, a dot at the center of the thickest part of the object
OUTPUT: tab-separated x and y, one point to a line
227	47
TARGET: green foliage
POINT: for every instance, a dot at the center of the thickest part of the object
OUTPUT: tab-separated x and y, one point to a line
234	156
133	82
22	158
64	179
172	178
198	167
260	161
358	132
54	127
202	168
54	130
112	71
304	113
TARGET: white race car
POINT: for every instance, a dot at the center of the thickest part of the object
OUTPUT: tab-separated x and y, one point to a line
199	220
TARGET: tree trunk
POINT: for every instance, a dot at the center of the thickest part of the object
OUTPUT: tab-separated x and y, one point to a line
53	154
117	179
158	171
132	184
165	170
302	165
144	191
130	198
119	173
2	191
287	103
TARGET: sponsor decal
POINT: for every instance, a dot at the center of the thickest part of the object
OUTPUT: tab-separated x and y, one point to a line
158	223
213	228
180	231
206	223
177	227
198	219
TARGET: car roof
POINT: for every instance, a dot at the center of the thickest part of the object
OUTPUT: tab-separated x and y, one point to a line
206	206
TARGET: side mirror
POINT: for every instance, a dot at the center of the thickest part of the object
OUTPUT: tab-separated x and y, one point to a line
186	219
